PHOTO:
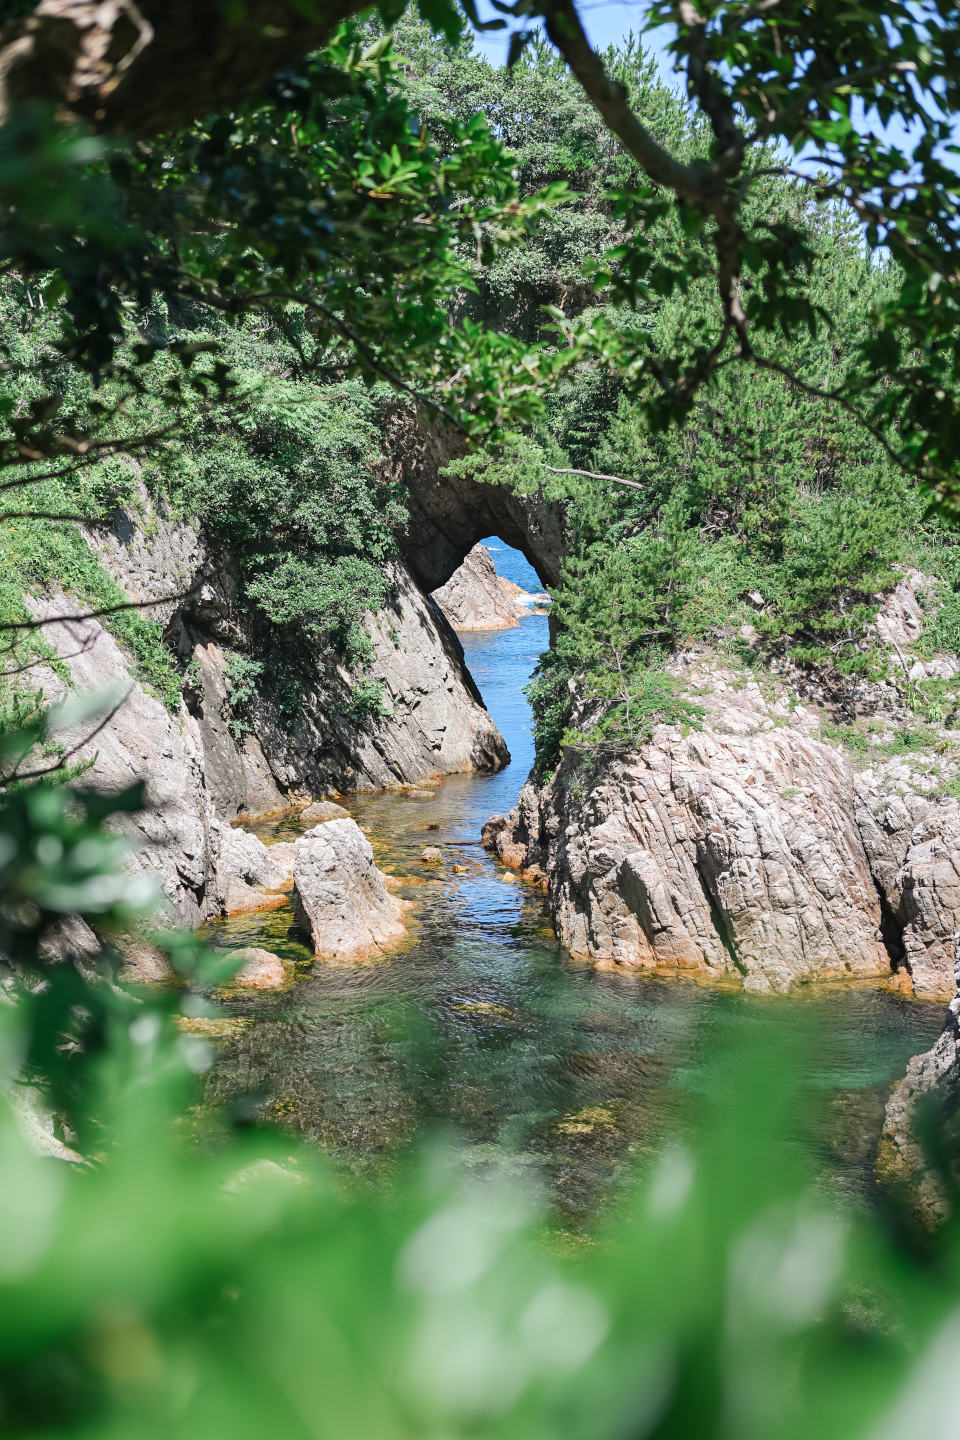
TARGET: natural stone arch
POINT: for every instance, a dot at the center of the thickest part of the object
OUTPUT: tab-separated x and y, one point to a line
448	515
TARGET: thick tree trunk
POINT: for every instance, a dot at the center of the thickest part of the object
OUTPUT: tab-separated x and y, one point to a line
142	66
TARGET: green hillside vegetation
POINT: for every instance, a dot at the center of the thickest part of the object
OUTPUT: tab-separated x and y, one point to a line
766	507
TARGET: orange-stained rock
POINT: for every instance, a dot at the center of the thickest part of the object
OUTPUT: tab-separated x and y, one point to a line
261	969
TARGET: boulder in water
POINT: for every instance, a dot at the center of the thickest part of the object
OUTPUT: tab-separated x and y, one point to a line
261	969
322	810
249	876
477	598
341	897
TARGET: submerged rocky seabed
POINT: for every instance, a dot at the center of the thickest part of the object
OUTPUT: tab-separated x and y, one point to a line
480	1020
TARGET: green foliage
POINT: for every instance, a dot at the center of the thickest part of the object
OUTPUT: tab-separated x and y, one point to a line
38	553
242	674
367	699
179	1285
731	228
612	616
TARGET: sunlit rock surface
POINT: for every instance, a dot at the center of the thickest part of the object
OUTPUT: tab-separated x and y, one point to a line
759	847
342	901
477	598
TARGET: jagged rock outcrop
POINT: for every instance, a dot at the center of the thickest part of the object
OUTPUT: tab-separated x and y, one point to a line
237	773
912	840
201	773
431	720
749	848
250	876
477	598
342	900
177	836
928	1097
203	866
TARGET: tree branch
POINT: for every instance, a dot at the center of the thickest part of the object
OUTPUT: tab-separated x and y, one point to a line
609	99
67	754
593	475
142	66
37	624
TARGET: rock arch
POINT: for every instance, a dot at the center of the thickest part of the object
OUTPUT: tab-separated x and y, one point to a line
447	515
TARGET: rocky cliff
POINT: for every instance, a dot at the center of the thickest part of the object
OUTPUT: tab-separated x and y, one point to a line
202	769
477	598
759	848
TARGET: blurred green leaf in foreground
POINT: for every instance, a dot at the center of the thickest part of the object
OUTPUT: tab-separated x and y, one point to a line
177	1279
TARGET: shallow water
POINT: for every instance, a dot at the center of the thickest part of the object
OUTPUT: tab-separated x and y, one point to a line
480	1021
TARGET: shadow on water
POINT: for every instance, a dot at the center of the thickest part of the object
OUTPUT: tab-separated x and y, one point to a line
481	1023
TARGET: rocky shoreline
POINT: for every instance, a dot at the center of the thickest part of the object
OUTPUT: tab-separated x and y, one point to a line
759	847
202	770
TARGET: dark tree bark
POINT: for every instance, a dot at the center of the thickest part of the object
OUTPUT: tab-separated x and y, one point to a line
142	66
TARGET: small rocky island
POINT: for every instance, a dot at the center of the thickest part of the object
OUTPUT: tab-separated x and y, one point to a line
477	598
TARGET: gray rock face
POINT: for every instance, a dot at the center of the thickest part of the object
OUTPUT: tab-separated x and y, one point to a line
178	835
932	1080
237	773
477	598
203	866
250	876
341	897
750	848
913	844
433	724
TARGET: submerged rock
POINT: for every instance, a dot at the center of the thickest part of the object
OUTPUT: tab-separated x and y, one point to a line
431	855
322	810
261	969
342	900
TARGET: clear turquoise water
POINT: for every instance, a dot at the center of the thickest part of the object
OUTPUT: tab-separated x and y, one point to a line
480	1022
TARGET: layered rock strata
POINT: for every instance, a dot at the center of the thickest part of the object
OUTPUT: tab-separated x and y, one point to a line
430	721
201	769
342	900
